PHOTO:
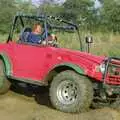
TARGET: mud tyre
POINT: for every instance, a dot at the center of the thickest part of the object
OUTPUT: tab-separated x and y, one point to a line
4	82
71	92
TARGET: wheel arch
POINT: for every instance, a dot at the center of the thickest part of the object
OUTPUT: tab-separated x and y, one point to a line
7	64
62	67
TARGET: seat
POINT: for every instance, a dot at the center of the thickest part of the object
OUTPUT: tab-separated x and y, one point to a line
24	34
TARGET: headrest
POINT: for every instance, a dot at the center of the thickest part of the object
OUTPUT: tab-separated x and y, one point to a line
27	29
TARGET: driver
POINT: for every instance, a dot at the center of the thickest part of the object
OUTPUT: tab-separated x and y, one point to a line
35	35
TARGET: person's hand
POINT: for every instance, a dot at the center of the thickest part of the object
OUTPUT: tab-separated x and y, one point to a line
44	42
39	41
53	36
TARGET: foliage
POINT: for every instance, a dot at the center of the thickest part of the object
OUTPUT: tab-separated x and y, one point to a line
83	12
77	9
110	15
8	9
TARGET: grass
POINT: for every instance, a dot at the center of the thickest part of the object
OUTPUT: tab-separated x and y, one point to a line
3	38
106	44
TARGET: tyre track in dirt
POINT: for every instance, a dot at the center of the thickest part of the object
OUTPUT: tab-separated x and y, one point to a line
14	106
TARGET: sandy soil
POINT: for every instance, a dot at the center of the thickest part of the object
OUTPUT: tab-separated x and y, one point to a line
14	106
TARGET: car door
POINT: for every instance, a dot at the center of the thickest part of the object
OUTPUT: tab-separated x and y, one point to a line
30	61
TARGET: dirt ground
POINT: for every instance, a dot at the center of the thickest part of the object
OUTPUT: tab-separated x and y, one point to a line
15	106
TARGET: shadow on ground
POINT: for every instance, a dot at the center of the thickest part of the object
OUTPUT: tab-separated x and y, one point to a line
40	94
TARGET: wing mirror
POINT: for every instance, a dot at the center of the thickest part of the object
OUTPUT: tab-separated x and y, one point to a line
89	41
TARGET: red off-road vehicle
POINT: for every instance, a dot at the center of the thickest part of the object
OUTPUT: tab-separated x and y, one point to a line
75	78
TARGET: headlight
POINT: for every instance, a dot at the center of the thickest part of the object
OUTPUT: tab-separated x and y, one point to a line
102	67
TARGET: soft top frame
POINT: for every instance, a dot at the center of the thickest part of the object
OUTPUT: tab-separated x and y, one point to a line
44	18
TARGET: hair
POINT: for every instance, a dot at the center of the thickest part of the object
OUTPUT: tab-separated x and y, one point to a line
35	26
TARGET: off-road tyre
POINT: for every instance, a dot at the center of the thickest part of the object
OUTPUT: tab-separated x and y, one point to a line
4	82
83	87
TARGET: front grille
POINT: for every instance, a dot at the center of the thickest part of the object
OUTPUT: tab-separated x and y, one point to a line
114	68
113	79
113	71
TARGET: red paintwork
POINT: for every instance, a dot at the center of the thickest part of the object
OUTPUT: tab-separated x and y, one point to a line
33	62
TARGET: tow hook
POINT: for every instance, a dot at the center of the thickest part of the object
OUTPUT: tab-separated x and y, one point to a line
103	95
109	90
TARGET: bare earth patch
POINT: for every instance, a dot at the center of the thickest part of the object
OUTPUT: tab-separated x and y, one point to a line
14	106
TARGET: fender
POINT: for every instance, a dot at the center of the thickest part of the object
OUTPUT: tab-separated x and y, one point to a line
75	67
7	63
65	66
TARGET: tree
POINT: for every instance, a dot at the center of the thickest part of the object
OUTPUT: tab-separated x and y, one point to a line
26	6
79	11
9	10
110	15
49	7
6	14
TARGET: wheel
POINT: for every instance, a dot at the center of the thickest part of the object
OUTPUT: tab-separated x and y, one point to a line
70	92
4	83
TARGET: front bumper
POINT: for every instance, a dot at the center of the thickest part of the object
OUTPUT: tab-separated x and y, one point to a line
112	71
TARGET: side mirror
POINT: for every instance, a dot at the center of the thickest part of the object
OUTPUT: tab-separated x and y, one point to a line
89	41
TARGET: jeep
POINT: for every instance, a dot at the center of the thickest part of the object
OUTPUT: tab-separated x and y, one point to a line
76	79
